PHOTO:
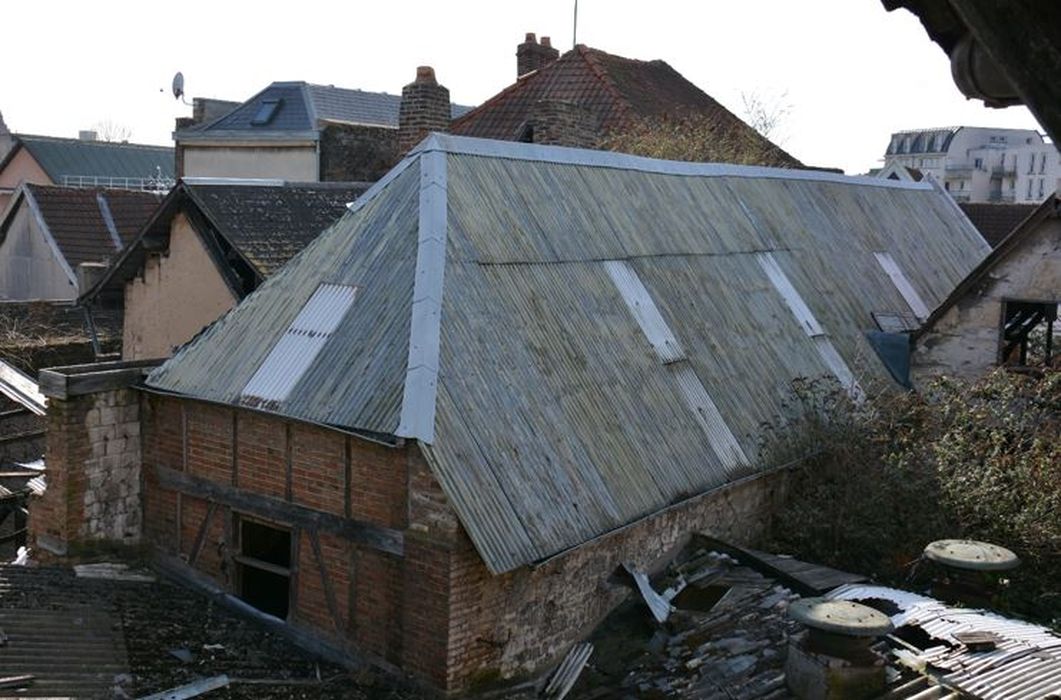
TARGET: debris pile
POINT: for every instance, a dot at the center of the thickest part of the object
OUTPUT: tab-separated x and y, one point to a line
724	637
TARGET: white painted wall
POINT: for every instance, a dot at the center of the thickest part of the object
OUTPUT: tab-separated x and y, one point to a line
965	341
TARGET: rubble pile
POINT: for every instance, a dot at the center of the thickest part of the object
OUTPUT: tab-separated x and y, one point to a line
725	638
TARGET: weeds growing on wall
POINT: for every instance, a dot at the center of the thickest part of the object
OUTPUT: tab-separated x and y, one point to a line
979	460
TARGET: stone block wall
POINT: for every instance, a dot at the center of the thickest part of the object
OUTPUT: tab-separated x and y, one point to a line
92	468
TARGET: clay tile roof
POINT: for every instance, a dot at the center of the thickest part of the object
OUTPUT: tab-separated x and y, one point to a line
611	88
76	219
996	221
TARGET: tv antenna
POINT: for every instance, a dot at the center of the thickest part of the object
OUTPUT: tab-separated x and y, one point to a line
574	30
178	88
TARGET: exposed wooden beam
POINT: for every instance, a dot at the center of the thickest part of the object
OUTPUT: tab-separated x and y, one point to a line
372	536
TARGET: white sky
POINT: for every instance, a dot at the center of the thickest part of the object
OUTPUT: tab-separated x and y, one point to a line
853	72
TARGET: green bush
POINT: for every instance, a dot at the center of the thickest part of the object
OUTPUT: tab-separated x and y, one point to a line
979	460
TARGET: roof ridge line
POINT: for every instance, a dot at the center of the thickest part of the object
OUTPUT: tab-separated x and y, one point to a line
420	391
589	56
563	155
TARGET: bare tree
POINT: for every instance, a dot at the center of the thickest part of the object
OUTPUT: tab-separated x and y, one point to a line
110	130
767	113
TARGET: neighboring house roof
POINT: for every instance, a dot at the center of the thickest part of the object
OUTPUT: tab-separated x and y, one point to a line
576	338
612	88
77	162
264	224
996	221
1050	207
86	225
300	107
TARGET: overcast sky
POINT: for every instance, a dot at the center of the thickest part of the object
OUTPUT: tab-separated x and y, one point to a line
851	72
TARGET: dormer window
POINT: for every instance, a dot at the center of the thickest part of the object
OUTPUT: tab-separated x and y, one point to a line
266	111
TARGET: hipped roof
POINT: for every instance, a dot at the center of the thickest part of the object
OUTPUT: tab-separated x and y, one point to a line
578	339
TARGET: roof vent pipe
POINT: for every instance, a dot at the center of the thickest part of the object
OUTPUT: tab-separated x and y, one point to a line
833	658
968	572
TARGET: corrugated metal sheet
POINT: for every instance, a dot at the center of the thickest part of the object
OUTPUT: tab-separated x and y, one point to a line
21	389
298	347
1025	663
555	420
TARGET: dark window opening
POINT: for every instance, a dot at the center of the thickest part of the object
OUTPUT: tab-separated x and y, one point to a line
894	322
266	111
526	134
1027	333
264	567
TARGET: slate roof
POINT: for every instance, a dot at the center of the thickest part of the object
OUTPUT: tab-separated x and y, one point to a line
63	159
577	339
266	224
612	88
996	221
90	224
303	105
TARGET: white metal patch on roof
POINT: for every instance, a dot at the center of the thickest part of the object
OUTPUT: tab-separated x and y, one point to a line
793	300
644	311
21	389
299	345
670	353
805	317
913	299
722	441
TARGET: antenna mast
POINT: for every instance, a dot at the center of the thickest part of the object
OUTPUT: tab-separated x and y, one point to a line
574	31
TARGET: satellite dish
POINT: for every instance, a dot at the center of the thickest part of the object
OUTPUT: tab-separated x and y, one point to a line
178	85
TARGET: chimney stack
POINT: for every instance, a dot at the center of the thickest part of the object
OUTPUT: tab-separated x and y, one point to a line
530	55
424	108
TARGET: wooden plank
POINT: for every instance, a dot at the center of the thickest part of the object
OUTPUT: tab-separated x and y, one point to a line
191	690
235	448
296	550
200	536
373	536
326	582
263	565
288	488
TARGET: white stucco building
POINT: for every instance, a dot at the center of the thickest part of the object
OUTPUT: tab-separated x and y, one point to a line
980	164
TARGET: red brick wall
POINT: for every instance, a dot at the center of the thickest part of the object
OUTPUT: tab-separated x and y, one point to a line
303	464
513	624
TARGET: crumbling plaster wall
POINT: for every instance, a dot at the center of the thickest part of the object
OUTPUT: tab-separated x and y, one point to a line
964	342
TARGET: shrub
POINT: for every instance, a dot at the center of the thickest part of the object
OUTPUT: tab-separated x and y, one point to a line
885	478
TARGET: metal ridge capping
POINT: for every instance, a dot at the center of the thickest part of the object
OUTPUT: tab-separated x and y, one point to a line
564	155
421	379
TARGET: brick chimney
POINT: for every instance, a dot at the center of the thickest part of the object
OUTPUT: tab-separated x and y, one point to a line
424	108
530	55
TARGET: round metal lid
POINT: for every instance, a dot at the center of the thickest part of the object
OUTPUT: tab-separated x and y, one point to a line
840	617
972	555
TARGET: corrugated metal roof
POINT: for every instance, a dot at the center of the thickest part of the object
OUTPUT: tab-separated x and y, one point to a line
72	158
555	419
1025	663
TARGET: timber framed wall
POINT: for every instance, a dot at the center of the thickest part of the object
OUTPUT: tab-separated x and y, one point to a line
341	498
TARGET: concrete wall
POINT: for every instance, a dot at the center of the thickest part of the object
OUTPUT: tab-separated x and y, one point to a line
174	298
29	266
965	341
22	168
297	163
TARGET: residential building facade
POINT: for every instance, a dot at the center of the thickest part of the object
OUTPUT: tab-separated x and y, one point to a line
207	246
979	164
